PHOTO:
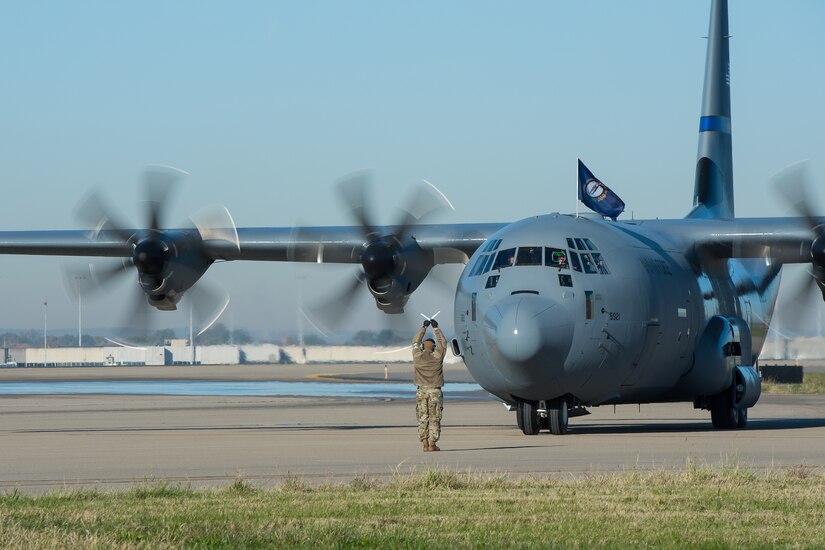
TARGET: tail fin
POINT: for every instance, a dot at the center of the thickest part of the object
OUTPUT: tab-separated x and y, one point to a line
713	190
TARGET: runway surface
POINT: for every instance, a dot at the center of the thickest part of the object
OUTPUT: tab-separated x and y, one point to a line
105	441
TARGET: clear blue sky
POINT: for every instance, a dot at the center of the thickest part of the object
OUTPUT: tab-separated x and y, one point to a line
266	103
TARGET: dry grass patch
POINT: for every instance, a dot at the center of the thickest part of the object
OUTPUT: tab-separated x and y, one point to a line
812	383
696	507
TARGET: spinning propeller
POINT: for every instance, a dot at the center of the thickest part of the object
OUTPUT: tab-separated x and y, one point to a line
167	262
794	183
393	265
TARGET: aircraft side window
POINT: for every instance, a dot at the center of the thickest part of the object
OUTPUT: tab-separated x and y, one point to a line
574	261
505	258
590	244
565	280
600	264
589	264
477	266
492	281
570	243
488	264
528	255
580	244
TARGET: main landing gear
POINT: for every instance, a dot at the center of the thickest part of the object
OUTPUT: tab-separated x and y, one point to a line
729	408
533	416
725	415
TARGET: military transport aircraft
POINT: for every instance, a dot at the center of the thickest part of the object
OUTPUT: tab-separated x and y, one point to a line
553	313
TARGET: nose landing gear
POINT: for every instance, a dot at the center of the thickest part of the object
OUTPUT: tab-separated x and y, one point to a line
527	417
532	416
557	414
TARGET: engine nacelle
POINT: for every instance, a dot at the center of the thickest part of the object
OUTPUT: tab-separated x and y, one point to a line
394	267
168	265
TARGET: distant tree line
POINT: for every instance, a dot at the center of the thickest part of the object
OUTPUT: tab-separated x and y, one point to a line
382	338
361	338
218	334
34	339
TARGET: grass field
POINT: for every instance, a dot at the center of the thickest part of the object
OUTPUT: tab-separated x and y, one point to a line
694	508
813	382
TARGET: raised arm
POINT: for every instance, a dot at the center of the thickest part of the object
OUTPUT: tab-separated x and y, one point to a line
417	342
442	343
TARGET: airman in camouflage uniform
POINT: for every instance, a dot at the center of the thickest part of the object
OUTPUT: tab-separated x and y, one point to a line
428	360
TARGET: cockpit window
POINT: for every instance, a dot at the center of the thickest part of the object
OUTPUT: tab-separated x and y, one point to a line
505	258
588	259
488	264
477	266
600	265
574	261
528	255
588	263
492	245
555	257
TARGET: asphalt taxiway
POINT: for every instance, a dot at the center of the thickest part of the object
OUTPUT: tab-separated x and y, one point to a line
105	441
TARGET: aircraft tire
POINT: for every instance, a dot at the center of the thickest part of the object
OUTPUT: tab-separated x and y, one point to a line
723	414
557	413
743	419
528	417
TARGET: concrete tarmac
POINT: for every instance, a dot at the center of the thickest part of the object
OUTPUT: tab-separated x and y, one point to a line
55	442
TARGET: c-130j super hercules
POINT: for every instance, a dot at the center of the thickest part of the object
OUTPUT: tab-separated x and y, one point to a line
553	313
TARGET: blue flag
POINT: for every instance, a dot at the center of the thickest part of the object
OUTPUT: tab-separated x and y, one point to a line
597	196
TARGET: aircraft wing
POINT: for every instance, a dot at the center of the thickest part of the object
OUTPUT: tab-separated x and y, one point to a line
449	243
64	243
783	240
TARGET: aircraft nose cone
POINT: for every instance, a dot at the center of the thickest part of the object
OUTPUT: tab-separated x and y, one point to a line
529	337
518	335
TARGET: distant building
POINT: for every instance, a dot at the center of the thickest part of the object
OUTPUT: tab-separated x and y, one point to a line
176	354
177	342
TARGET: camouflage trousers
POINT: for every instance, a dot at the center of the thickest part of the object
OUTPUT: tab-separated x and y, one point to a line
429	402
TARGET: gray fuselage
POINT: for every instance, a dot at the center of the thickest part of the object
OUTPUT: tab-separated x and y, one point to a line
613	313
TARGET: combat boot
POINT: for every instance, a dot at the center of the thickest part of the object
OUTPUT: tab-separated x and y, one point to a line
433	446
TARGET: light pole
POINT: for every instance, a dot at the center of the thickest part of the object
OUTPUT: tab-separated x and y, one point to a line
77	279
191	334
45	332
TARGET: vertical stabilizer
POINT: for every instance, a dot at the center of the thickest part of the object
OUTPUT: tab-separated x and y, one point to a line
713	191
